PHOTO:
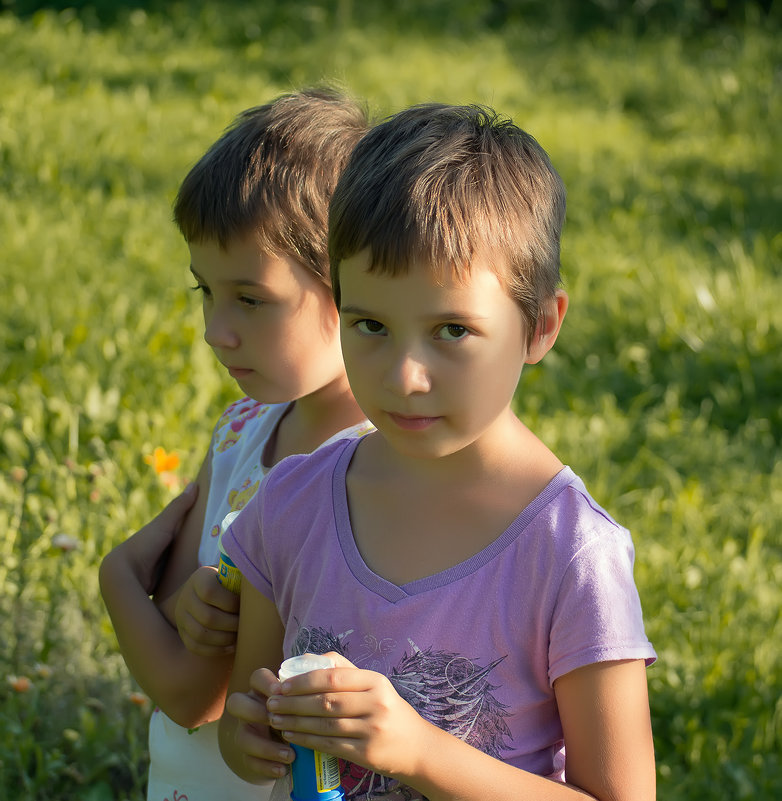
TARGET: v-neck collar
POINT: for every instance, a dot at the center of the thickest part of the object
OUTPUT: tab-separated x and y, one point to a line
393	592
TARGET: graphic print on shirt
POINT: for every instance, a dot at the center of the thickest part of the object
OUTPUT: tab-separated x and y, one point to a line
244	409
238	498
447	689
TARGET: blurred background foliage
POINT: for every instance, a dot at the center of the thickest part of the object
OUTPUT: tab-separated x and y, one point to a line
459	17
663	391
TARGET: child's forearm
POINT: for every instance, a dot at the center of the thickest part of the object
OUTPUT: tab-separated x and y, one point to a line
447	768
358	715
604	712
189	688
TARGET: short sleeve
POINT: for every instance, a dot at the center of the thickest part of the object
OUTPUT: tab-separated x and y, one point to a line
597	616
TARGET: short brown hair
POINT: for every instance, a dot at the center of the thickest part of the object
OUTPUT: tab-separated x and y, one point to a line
272	173
437	184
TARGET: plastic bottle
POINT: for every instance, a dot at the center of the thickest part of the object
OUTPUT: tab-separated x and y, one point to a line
228	574
315	775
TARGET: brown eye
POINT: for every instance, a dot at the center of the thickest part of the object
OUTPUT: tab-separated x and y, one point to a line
370	327
452	332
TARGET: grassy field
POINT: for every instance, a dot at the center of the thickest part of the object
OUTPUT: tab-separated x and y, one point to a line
664	392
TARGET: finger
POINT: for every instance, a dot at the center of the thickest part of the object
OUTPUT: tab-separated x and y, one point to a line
266	757
333	727
200	649
352	749
212	619
210	590
322	705
337	679
205	647
194	630
247	708
264	683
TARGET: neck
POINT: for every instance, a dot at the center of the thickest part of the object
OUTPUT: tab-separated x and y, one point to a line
315	418
497	452
333	403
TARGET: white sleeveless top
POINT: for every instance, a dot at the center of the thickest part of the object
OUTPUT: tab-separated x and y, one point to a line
186	765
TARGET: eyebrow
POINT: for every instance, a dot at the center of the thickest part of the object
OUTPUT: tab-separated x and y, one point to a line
235	282
355	310
444	315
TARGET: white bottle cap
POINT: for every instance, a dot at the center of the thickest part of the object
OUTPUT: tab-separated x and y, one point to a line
227	520
297	665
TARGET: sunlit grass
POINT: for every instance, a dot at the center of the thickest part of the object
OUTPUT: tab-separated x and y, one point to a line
663	391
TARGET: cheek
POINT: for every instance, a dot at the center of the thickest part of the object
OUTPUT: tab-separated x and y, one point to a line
362	365
499	373
354	366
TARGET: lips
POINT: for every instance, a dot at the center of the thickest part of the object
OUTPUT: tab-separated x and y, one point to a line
238	372
412	422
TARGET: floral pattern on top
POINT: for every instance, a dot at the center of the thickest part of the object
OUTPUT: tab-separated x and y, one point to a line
233	420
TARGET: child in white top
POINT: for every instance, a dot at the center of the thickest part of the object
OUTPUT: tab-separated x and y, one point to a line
451	552
253	211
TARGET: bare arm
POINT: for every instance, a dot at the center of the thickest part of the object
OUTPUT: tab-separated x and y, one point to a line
357	715
608	732
245	742
182	560
189	688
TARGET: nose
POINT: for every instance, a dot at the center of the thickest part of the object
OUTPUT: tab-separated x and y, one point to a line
219	333
407	374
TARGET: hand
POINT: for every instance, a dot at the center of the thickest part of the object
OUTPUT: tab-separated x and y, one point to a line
145	550
207	614
350	713
267	757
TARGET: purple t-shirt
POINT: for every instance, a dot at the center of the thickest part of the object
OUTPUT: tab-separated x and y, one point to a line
476	648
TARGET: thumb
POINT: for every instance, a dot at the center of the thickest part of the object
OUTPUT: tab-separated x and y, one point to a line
264	683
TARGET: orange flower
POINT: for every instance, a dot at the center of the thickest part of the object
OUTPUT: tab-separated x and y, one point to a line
163	461
20	684
139	699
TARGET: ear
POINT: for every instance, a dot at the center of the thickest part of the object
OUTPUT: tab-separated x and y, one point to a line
548	327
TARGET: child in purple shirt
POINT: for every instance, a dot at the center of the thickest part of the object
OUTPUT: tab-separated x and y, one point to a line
478	605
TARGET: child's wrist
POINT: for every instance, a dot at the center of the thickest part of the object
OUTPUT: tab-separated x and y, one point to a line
420	772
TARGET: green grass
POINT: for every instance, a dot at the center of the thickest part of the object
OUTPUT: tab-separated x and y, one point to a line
663	393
